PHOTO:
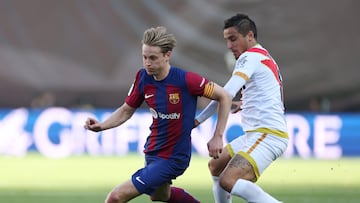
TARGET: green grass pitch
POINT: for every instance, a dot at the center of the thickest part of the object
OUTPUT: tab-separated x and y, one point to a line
84	179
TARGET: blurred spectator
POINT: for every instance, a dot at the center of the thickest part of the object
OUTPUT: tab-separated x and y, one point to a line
43	100
319	104
84	103
314	104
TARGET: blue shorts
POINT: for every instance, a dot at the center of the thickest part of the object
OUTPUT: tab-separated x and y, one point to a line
157	172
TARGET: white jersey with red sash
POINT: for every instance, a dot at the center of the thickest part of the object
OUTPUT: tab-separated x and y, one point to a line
262	106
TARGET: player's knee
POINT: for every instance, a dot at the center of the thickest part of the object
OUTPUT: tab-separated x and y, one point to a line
160	196
213	168
117	196
112	197
227	183
154	198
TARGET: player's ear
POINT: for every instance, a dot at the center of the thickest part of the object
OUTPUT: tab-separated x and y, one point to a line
168	54
251	35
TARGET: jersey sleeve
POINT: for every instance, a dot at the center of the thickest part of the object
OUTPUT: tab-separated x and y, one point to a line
199	85
135	95
234	84
245	66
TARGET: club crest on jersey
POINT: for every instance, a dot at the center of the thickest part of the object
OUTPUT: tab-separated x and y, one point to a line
241	61
174	98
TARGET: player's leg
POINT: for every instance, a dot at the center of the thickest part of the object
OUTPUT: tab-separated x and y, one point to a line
216	166
246	166
165	193
236	180
159	175
122	193
162	193
252	192
179	195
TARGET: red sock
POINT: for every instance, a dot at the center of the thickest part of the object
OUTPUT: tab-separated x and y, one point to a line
179	195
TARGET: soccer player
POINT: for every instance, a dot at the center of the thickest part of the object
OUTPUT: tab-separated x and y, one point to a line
171	94
245	158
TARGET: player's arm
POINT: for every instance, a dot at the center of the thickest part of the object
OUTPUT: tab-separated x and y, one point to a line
224	102
215	145
118	117
234	84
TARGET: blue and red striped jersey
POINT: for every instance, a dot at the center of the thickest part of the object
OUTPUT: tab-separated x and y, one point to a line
172	102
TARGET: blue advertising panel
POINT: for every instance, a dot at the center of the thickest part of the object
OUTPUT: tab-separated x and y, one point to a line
58	132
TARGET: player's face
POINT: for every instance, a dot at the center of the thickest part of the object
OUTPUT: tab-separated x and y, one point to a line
235	41
154	61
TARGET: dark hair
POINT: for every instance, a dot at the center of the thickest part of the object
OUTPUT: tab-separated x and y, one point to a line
242	23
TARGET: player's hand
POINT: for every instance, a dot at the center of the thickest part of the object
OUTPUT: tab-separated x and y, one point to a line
215	146
236	106
93	125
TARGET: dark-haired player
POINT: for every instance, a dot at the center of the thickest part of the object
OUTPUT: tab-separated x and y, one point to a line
245	158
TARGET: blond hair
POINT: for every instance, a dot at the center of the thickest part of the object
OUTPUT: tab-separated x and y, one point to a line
160	38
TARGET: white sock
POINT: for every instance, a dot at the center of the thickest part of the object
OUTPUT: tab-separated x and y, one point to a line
251	192
220	195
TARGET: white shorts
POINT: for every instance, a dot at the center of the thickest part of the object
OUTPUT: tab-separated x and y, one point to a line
259	148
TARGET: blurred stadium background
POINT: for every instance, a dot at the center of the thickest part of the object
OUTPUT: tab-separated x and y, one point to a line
87	52
81	56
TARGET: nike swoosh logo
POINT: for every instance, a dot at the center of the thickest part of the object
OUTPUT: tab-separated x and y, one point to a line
140	181
147	96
